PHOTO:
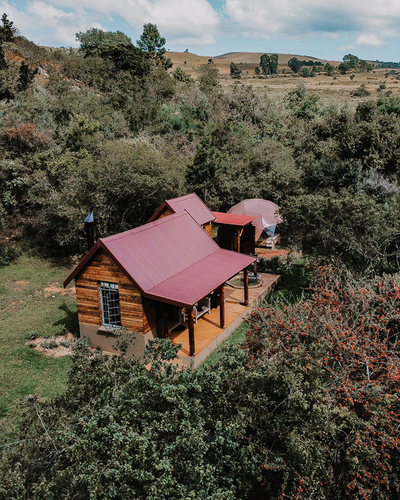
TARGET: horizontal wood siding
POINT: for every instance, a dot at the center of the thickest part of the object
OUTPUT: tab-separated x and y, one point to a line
208	229
103	268
164	213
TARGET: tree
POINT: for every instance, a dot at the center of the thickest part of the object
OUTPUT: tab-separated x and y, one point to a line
269	64
257	70
305	72
273	64
208	80
329	69
343	68
236	71
333	365
294	64
26	76
127	57
180	76
203	175
351	60
152	44
3	62
94	41
7	30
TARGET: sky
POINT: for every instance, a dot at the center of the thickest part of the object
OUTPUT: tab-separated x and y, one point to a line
327	29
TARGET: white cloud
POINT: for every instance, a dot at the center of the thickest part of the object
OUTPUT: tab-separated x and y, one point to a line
291	19
363	23
368	39
57	21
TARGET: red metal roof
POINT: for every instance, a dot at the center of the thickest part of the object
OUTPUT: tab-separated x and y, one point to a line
233	219
192	204
172	259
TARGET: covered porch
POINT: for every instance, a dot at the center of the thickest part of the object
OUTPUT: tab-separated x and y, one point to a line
207	333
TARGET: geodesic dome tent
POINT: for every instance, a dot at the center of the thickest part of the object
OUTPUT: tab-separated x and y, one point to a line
266	213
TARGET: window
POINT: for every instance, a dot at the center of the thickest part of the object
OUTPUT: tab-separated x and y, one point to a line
109	300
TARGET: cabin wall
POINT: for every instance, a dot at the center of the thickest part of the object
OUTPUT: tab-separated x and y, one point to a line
164	213
208	228
134	316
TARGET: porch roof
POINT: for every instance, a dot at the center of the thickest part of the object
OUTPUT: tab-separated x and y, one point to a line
172	259
233	219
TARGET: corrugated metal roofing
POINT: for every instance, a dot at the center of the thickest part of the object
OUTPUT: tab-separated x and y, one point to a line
171	259
233	219
192	204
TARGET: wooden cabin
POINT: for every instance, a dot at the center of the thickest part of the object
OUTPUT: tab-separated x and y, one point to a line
236	232
193	206
152	278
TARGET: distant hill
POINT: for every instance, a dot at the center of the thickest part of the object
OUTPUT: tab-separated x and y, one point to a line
191	63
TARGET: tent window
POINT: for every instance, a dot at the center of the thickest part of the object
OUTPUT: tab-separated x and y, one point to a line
109	300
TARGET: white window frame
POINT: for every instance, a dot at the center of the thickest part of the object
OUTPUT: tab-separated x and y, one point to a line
109	303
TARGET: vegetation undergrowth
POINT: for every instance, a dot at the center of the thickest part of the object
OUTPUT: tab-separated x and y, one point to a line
307	408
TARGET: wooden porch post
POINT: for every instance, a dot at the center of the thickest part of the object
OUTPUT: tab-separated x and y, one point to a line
191	331
222	306
246	286
239	232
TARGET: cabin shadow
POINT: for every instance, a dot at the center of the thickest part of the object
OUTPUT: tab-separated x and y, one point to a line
70	321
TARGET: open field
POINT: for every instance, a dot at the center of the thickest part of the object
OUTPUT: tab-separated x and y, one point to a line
339	85
32	301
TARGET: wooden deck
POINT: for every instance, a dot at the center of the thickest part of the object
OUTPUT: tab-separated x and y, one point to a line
208	334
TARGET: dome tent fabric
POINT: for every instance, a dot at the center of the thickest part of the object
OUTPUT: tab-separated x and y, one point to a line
265	212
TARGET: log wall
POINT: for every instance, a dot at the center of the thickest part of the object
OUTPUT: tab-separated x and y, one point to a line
103	268
208	228
164	213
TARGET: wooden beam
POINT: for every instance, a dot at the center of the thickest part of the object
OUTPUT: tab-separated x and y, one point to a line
239	232
191	332
222	306
246	286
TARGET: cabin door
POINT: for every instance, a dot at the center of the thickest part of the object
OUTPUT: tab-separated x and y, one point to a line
174	316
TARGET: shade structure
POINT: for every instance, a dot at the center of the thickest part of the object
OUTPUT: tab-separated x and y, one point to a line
266	213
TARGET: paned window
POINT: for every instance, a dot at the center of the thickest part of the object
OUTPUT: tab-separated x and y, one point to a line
109	300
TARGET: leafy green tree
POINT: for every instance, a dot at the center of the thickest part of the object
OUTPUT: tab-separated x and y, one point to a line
305	72
3	62
273	64
127	57
180	76
257	70
269	64
7	30
95	41
351	60
209	78
365	242
343	68
26	76
123	181
152	43
364	66
294	64
235	70
302	103
331	362
203	175
329	69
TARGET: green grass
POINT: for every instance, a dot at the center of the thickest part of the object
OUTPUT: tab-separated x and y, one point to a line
237	337
293	284
24	310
